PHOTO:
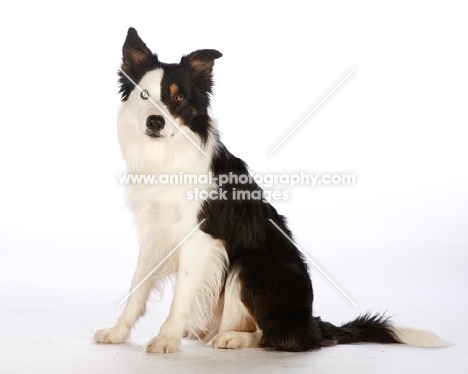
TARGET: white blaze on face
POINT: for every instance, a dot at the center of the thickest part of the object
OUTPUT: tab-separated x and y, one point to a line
176	147
151	83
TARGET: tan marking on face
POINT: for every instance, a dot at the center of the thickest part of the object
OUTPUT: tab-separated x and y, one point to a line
173	89
182	122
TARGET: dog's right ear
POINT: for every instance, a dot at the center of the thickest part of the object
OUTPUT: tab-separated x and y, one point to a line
134	52
137	59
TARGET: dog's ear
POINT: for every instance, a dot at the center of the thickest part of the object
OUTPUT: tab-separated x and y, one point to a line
137	59
134	52
202	61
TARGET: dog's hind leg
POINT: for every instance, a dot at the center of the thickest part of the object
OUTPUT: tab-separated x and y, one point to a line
268	303
237	328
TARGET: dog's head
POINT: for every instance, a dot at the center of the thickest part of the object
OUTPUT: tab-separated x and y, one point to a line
163	97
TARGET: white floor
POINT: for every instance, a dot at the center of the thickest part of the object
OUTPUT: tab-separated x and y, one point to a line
52	302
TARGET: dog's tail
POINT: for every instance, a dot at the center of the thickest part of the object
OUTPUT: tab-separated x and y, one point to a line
376	329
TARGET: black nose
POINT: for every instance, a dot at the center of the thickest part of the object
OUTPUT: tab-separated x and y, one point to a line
154	122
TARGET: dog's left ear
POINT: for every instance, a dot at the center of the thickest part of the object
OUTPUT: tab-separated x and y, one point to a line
202	61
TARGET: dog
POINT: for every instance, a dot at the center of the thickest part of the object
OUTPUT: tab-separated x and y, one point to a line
240	282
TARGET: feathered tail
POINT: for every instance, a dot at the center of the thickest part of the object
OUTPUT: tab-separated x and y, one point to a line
376	329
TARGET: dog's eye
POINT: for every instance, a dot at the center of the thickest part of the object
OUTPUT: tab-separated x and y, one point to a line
178	98
144	95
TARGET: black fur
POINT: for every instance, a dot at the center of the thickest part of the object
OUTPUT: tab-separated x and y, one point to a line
276	287
275	283
137	61
193	77
367	328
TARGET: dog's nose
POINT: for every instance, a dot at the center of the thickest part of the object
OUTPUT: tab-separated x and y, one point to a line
155	122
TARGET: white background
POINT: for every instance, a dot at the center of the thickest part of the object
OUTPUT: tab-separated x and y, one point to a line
397	240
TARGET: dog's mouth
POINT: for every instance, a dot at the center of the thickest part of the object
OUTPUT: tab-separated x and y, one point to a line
157	134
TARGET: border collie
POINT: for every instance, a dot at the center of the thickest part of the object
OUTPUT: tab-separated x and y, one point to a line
239	281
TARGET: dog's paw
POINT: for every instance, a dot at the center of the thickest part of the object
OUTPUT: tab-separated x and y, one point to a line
110	335
161	344
236	340
228	340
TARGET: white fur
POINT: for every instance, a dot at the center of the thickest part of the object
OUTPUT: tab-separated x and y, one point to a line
171	154
198	285
419	338
163	217
237	328
237	339
235	313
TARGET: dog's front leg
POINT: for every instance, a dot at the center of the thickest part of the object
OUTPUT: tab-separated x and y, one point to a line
136	304
195	256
